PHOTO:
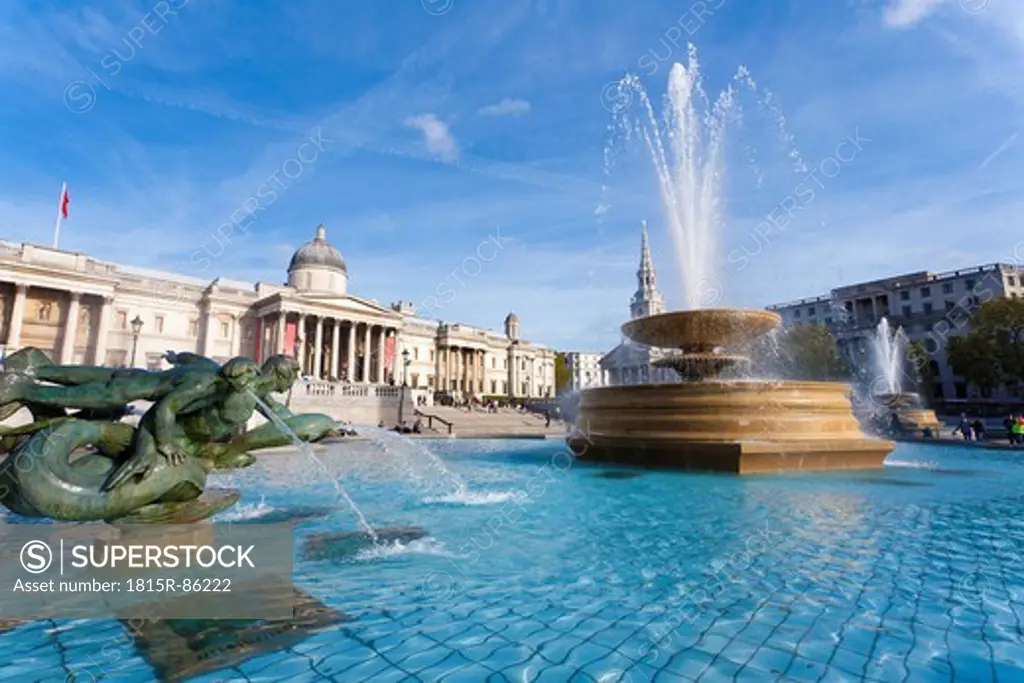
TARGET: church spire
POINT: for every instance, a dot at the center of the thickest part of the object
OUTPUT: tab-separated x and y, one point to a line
647	299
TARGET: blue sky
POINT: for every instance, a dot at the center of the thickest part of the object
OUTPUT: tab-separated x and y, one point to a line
445	124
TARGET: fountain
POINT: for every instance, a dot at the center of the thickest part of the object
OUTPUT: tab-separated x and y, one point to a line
705	423
899	412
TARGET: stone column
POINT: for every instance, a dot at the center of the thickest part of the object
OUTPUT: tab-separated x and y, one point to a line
99	356
300	344
211	318
279	332
382	335
67	348
17	317
483	372
335	348
448	368
350	371
437	365
318	348
471	367
236	336
367	355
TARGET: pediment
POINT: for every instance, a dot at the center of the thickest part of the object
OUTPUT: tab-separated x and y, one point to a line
339	305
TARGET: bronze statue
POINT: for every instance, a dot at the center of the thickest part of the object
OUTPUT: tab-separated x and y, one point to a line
197	423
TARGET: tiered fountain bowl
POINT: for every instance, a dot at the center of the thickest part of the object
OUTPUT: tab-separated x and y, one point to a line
914	418
708	424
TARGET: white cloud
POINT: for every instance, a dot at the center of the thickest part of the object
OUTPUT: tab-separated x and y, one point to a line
507	107
906	13
436	134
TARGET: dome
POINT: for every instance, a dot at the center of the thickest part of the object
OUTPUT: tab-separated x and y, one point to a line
318	252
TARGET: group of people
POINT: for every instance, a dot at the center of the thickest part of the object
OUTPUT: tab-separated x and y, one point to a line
1014	428
975	429
970	428
404	428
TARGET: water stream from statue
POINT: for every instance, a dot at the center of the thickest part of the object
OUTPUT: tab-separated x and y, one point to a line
307	450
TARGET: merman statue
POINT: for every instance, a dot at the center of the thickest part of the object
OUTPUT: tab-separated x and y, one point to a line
155	471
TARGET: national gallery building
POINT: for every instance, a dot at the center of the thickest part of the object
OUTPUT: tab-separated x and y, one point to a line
79	309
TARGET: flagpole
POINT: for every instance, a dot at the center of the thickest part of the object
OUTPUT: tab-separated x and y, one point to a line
60	214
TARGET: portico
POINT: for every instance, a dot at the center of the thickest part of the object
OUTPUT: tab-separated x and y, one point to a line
339	347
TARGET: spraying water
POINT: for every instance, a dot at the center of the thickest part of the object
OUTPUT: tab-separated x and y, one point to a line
687	148
411	451
307	450
395	444
889	348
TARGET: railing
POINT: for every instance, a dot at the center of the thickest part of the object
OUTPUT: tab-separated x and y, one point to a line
338	389
431	418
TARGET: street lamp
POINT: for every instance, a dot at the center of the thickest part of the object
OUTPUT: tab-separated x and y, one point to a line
136	329
405	375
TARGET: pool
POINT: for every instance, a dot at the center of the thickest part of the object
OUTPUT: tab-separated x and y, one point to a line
546	569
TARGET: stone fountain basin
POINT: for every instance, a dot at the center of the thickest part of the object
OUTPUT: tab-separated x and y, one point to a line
702	329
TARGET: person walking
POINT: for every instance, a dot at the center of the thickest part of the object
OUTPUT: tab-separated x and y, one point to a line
979	429
964	427
1018	430
1009	422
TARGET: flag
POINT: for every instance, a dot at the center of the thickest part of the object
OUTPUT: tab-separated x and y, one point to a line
64	201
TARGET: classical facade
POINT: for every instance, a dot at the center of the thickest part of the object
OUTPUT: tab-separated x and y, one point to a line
630	362
930	307
81	310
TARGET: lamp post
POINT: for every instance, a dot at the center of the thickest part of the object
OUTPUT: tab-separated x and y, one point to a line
136	329
405	376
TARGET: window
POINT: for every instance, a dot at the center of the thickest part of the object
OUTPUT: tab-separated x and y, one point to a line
907	310
1010	280
950	305
969	283
414	380
904	295
524	365
193	328
225	331
828	321
811	312
415	355
494	386
926	292
931	345
796	313
45	311
158	324
927	307
494	364
122	320
430	381
431	355
947	288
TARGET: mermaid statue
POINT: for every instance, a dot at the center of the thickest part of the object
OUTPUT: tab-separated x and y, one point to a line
89	465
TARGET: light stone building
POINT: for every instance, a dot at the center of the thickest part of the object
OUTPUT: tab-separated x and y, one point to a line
80	309
584	370
930	307
630	362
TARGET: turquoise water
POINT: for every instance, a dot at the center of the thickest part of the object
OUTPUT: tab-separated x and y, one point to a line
554	570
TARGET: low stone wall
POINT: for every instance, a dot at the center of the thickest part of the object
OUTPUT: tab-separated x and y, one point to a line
359	404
